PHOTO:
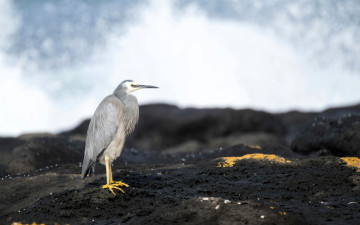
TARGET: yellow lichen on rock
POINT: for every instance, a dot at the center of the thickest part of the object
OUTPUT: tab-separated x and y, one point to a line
19	223
230	161
352	162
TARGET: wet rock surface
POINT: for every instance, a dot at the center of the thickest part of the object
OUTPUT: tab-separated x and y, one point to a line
193	169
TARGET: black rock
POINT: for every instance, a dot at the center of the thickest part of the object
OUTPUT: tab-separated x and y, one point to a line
163	126
177	175
340	137
41	152
307	191
7	144
296	121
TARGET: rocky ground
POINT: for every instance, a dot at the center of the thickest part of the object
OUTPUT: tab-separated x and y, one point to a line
194	166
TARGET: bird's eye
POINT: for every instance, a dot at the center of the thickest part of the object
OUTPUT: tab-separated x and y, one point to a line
133	85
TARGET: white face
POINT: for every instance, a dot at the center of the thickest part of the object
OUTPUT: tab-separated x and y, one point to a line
130	86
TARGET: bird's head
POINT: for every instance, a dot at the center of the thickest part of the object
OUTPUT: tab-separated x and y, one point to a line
128	86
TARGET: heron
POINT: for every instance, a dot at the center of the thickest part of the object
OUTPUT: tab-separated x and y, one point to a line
114	119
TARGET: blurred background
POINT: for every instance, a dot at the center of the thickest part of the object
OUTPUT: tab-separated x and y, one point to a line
59	59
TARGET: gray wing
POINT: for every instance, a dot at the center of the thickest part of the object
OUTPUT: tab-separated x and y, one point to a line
101	131
131	114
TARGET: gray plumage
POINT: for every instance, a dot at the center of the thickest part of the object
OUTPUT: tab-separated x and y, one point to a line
114	119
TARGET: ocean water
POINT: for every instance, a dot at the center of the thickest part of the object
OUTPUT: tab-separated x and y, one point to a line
59	59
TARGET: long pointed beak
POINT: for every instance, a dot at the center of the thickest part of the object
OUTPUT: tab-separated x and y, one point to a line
146	86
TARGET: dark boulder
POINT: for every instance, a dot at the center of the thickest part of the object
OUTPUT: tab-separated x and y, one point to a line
296	121
7	144
41	152
164	126
339	137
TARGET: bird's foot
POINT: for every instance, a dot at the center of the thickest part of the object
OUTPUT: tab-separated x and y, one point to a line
118	183
111	186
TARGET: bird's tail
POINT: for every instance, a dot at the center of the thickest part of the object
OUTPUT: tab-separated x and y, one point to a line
88	167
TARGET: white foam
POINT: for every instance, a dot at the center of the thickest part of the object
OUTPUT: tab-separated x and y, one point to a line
198	61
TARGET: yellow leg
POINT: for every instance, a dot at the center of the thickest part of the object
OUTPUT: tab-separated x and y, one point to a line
110	184
116	183
110	172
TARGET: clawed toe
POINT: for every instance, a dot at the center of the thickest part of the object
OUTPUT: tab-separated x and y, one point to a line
111	186
119	183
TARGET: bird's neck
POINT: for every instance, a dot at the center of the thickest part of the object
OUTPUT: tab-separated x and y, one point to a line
122	96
